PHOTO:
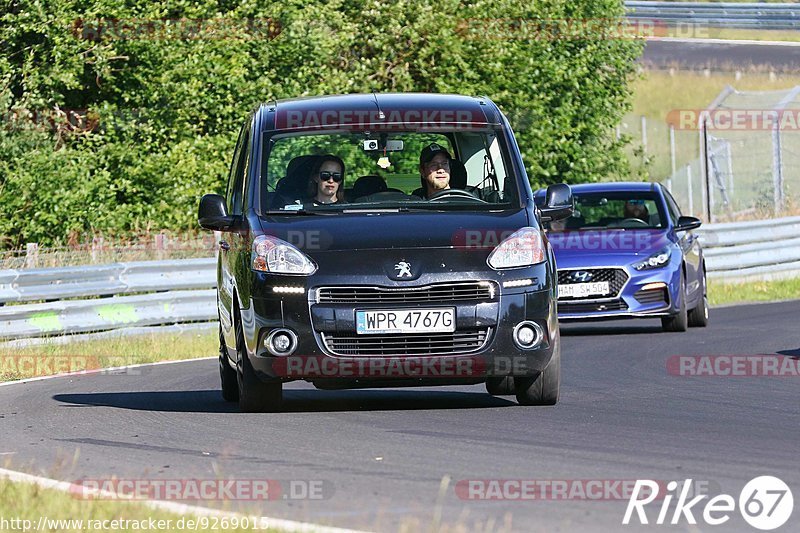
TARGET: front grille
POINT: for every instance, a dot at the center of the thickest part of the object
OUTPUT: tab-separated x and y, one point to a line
459	342
616	278
439	292
651	296
591	307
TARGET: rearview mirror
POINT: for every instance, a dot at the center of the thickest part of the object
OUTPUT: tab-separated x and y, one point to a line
687	223
559	203
213	214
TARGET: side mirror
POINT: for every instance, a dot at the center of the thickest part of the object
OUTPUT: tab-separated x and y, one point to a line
559	203
687	223
213	214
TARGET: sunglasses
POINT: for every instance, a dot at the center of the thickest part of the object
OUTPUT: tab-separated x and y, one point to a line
636	202
326	175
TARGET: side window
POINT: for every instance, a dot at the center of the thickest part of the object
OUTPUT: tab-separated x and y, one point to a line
672	205
237	172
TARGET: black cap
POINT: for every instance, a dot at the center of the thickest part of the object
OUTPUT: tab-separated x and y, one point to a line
430	151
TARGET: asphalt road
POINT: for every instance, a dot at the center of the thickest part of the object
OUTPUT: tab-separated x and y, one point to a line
726	57
381	455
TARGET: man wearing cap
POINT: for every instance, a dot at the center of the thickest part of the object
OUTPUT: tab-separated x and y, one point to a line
636	209
434	170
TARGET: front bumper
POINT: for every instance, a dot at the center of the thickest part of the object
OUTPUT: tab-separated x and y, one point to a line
645	294
314	323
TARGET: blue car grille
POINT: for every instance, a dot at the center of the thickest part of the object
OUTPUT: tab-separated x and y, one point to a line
591	307
616	278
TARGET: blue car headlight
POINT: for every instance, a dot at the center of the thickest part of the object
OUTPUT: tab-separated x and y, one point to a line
656	260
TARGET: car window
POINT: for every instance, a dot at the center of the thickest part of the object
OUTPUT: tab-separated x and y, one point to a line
613	210
672	205
237	172
383	169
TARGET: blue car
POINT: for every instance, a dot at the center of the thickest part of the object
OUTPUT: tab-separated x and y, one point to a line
627	251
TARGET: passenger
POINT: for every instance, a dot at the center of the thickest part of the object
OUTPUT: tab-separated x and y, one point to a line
636	209
434	169
327	178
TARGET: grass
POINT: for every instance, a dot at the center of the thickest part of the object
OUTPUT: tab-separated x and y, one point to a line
28	502
703	32
51	358
754	291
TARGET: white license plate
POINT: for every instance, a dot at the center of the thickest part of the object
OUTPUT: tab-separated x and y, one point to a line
582	290
406	321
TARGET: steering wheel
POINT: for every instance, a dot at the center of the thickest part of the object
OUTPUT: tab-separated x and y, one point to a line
455	193
633	222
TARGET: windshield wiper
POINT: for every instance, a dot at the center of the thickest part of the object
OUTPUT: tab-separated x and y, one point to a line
295	212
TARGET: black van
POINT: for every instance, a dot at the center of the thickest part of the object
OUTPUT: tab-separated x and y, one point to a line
383	240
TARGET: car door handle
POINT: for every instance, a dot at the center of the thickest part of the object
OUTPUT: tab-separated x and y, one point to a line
223	245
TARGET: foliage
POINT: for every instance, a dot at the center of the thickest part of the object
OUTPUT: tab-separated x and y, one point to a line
161	89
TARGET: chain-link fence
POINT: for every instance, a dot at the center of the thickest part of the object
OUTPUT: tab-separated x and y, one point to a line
748	162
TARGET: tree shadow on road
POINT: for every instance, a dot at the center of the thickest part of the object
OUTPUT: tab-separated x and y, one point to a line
295	400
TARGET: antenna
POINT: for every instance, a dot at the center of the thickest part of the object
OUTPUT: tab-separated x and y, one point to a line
381	116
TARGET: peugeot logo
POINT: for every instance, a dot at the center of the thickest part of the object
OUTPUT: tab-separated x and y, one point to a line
581	276
403	269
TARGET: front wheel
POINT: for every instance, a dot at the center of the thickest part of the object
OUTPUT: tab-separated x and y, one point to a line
679	321
698	315
544	388
255	396
502	386
227	375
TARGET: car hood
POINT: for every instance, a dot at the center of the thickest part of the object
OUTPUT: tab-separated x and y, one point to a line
364	231
606	247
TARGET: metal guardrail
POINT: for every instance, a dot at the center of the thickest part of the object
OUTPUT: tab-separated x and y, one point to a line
718	15
734	251
765	250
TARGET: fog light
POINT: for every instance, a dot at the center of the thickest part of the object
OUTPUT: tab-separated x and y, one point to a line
281	342
528	335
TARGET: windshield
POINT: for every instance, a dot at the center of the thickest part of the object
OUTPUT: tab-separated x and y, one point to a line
335	172
617	210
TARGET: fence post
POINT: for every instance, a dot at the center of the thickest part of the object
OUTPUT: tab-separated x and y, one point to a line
671	155
703	170
777	169
161	245
32	255
97	248
644	136
689	183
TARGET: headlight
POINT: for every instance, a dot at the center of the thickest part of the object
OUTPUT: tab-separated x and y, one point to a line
522	248
657	260
273	255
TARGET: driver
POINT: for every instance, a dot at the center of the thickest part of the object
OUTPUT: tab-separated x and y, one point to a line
636	209
434	169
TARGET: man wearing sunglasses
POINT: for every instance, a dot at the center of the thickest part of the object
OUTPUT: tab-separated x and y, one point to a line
326	185
636	209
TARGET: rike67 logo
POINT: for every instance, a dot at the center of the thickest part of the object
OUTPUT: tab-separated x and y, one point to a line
765	503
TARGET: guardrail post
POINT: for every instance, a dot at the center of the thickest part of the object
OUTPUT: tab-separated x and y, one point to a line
32	255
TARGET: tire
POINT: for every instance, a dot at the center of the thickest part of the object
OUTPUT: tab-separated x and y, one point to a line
679	321
255	396
698	315
544	388
227	375
503	386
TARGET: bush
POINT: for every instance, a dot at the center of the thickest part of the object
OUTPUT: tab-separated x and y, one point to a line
160	109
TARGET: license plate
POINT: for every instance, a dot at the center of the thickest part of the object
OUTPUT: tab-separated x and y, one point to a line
581	290
406	321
